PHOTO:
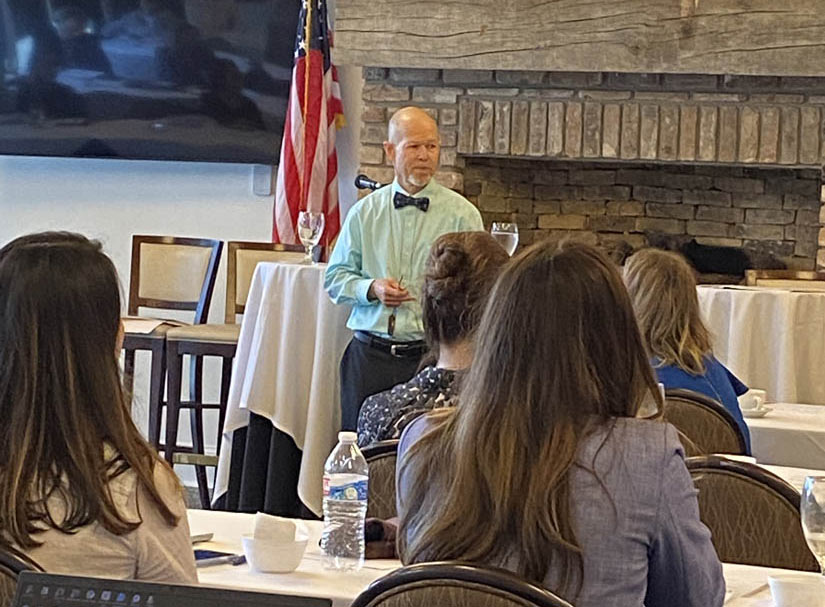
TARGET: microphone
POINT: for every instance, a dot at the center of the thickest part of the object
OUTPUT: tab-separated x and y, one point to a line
362	182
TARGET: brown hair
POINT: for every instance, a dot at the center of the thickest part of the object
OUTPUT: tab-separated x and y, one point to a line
558	354
67	430
461	270
663	291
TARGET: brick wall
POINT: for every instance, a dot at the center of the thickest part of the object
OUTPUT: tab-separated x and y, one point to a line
766	208
773	211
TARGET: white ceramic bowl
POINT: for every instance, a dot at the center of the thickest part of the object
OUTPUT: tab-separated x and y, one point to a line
274	557
797	590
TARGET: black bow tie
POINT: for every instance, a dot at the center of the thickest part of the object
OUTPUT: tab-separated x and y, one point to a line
400	200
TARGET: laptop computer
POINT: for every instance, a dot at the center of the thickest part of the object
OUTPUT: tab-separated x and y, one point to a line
36	589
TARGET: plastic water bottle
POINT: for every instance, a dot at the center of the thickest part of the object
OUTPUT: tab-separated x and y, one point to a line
345	505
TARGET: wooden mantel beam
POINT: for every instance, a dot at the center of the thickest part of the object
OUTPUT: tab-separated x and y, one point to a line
758	37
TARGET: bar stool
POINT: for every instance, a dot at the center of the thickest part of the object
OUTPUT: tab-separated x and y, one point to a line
171	273
213	340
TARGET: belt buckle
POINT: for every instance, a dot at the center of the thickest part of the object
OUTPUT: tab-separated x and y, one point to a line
393	350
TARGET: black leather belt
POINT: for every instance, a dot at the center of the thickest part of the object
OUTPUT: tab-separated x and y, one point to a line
401	349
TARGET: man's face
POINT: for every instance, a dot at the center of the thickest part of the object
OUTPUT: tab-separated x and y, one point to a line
414	153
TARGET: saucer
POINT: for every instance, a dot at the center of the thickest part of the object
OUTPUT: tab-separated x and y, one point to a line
760	412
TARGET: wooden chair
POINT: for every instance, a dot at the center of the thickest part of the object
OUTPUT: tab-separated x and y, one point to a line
170	273
213	340
455	584
705	425
786	279
753	515
381	458
12	564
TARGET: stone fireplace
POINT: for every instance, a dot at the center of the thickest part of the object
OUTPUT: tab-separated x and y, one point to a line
727	161
610	132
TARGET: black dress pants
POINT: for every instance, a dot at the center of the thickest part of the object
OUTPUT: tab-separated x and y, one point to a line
366	370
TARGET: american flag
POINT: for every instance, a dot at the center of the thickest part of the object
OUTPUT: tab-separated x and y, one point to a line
308	170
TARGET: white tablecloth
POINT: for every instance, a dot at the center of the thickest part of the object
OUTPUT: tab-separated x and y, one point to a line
794	476
310	579
790	435
286	369
772	339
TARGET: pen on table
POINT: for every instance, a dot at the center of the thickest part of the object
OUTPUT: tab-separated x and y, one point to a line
229	559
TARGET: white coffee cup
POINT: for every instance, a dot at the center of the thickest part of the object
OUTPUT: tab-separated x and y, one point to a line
753	400
797	590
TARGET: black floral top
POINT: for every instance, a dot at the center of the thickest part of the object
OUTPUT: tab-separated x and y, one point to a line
384	415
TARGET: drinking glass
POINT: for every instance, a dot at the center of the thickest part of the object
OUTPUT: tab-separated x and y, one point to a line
310	229
506	234
812	508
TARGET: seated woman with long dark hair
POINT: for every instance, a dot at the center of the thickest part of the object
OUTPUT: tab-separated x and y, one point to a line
662	288
81	492
460	273
543	467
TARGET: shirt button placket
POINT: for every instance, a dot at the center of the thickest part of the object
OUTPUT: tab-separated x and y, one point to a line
409	236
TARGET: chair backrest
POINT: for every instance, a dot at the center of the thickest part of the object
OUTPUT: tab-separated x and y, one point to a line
173	273
705	425
12	563
752	514
786	279
381	458
243	258
454	584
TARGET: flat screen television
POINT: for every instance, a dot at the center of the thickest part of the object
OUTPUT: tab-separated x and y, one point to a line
198	80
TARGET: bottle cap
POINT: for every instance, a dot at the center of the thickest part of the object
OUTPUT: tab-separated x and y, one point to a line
347	437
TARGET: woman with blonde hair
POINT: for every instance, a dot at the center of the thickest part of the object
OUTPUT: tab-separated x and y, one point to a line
81	492
543	468
662	288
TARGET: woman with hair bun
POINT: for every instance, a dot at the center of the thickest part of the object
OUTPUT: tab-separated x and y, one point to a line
460	274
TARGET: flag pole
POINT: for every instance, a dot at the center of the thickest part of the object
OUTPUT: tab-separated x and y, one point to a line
308	42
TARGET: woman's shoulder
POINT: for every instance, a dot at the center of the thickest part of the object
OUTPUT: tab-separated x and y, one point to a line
401	392
642	444
421	426
132	499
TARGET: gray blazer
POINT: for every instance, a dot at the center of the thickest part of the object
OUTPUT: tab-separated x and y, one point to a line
639	530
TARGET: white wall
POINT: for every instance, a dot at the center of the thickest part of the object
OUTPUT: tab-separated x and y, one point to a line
112	199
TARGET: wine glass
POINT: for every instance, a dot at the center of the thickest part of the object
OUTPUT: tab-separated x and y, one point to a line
812	508
310	228
506	234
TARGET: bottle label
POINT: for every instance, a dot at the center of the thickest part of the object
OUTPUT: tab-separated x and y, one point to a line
356	491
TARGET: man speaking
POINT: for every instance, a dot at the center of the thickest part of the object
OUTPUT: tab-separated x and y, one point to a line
378	263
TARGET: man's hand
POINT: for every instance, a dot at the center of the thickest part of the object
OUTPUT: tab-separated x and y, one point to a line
389	292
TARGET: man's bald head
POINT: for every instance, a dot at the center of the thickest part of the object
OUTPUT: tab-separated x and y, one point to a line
413	145
407	118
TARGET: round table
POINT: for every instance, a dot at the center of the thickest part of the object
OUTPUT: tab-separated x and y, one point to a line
283	413
772	339
747	585
790	435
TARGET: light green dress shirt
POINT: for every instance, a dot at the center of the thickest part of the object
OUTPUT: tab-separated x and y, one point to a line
379	241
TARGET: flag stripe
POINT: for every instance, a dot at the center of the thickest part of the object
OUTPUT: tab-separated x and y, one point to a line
308	169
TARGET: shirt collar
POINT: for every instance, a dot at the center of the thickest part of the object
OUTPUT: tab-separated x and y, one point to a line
426	192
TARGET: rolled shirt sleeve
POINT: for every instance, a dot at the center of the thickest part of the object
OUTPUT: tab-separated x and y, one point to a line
344	280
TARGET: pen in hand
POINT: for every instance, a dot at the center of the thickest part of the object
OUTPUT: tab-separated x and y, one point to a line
391	319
